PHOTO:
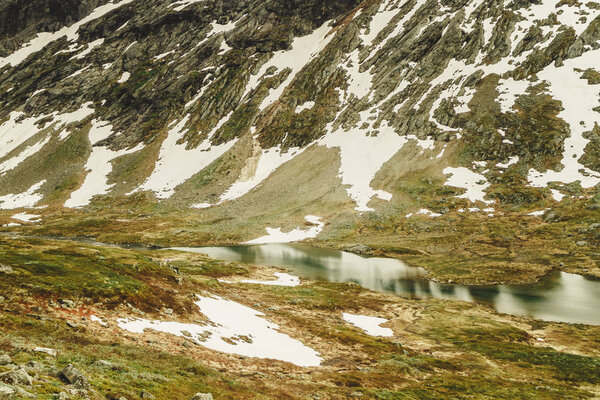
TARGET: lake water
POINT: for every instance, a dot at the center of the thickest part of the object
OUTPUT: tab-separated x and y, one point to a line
561	297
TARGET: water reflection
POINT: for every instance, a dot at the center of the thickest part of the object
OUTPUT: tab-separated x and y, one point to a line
562	297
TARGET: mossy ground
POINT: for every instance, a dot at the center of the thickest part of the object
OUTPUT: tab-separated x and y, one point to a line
440	349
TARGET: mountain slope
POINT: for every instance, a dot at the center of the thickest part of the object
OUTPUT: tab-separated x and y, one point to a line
403	124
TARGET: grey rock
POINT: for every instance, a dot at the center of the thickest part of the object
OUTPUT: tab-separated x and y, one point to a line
6	391
23	394
16	377
581	243
62	396
203	396
32	367
107	364
66	303
358	249
5	359
147	395
73	376
549	217
6	269
45	350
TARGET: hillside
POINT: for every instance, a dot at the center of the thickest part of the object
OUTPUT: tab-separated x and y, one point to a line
388	120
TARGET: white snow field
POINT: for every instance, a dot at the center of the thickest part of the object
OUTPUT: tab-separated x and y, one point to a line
236	323
371	325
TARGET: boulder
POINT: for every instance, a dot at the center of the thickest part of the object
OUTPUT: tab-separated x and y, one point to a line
16	377
66	303
5	359
202	396
6	391
45	350
358	249
73	376
6	269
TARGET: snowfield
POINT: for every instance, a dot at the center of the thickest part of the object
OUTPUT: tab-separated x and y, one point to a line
246	331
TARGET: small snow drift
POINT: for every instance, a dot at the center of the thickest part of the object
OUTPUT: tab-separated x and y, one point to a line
371	325
283	279
275	235
234	329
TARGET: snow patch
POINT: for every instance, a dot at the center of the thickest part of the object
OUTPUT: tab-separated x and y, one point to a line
98	165
94	318
361	158
233	329
25	217
475	184
44	38
124	77
176	164
306	106
283	279
275	235
304	50
28	198
371	325
578	100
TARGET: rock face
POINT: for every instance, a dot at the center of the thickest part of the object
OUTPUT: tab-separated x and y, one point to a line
198	102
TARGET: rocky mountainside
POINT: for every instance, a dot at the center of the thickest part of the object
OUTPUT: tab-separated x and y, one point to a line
377	116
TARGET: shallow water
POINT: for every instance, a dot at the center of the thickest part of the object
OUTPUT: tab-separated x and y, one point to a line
561	297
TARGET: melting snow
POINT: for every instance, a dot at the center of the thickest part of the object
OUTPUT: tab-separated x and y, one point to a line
98	165
201	205
124	77
512	161
233	329
275	235
578	100
361	158
304	50
176	164
283	279
94	318
91	46
28	198
180	5
475	184
258	168
538	213
44	38
306	106
25	217
371	325
25	154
